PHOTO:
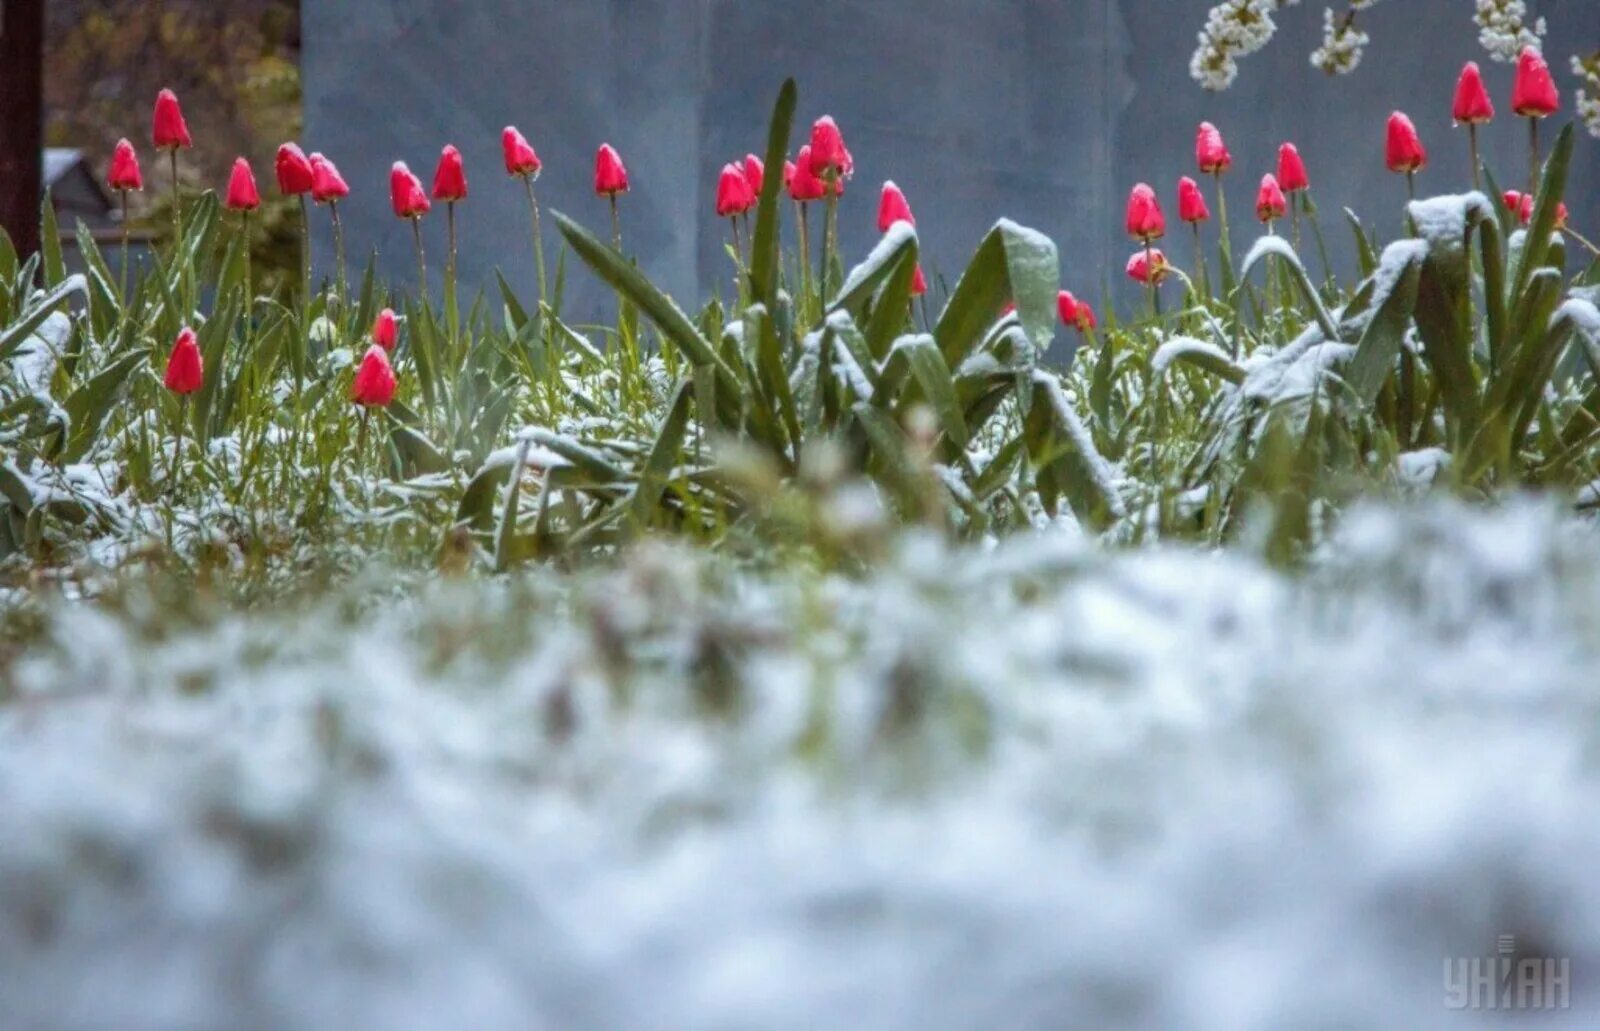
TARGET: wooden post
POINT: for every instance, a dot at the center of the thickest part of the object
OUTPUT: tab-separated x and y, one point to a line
21	120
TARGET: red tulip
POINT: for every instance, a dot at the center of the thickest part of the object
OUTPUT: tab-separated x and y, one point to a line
828	152
1191	202
184	369
294	171
1145	221
242	192
1210	153
1142	269
406	193
1472	106
1292	175
374	383
1075	313
1270	203
733	192
1534	94
326	182
804	184
1404	152
893	207
610	177
755	173
450	178
788	175
1522	204
124	174
520	158
169	131
385	330
919	282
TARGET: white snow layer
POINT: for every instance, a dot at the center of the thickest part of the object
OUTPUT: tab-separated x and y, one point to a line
1041	785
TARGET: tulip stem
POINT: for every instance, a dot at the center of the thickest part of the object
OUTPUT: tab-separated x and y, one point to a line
1533	157
1150	279
803	216
616	225
422	260
1222	216
305	247
538	245
830	233
124	288
249	293
177	204
338	253
451	309
1200	262
177	454
1472	142
1411	185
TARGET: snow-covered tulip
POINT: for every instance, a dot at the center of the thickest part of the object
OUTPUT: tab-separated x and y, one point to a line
1534	93
733	192
450	177
519	155
1210	153
1472	104
242	192
1075	314
1270	202
374	384
1145	220
1191	202
1404	151
294	171
168	129
327	185
828	152
124	174
1292	177
1148	268
406	193
893	207
610	175
185	371
386	329
755	173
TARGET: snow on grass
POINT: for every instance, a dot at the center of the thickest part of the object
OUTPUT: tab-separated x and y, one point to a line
1039	785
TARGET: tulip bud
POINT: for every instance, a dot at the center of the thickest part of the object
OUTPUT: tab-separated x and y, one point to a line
610	177
450	178
1404	151
828	153
919	282
242	192
1209	151
893	207
755	173
804	184
1292	177
1522	204
1191	202
374	383
1145	221
124	174
184	370
406	193
1075	313
733	192
1143	269
1472	106
1270	203
294	171
169	131
1534	93
520	158
385	330
788	175
326	182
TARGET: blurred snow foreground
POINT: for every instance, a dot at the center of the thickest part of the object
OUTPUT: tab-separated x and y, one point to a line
1040	786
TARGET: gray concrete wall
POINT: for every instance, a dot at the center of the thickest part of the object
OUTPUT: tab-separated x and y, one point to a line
1043	110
